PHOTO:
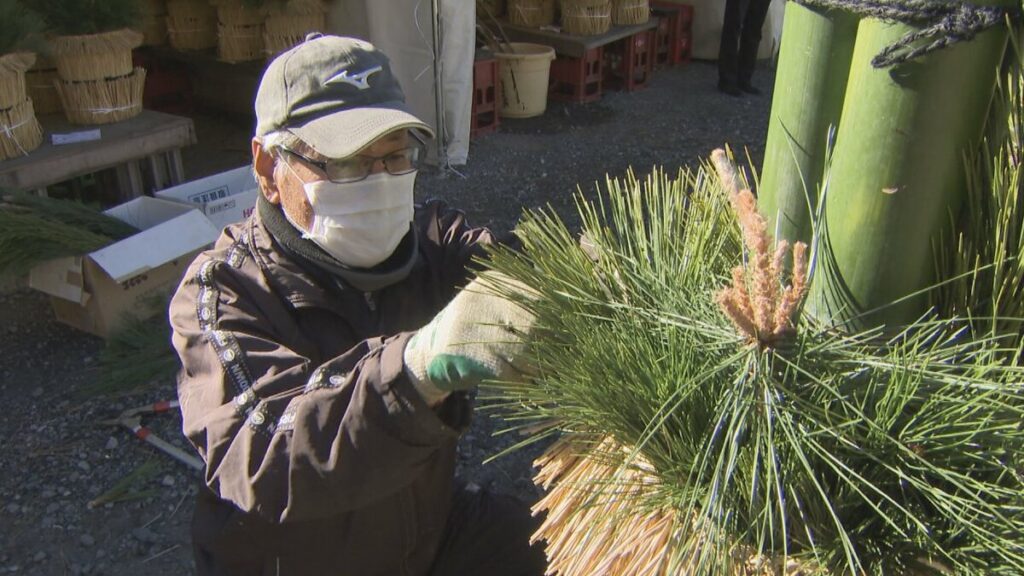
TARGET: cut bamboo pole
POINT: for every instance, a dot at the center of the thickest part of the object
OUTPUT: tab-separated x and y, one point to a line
814	63
898	173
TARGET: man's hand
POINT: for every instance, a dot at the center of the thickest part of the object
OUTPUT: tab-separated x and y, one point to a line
478	336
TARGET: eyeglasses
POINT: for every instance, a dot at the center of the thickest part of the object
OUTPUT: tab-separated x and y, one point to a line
359	167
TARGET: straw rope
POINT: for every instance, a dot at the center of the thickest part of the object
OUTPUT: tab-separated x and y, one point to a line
103	101
628	12
191	25
95	56
586	17
40	88
12	77
20	132
532	13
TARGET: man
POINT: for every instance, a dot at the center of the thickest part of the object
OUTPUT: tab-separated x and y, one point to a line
737	53
326	348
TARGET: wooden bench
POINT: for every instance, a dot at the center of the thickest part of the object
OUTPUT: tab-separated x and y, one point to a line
151	137
570	45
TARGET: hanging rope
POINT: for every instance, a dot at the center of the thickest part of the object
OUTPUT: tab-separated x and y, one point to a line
943	23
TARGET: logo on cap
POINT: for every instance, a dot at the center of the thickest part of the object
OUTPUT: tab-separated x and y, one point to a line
360	80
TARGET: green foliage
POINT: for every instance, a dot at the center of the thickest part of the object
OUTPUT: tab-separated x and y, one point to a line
74	17
127	488
18	26
34	229
138	354
849	452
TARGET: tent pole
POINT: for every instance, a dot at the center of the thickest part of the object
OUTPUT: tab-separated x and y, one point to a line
442	140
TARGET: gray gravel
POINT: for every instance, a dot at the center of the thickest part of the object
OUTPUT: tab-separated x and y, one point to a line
55	456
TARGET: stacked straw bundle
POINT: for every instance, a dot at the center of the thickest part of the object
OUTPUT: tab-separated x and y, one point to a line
239	31
40	81
532	13
288	25
626	12
20	132
586	17
191	24
97	82
154	22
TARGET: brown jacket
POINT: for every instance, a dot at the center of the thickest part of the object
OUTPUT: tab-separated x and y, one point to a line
321	457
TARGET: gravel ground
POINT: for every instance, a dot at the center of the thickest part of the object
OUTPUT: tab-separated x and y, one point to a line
56	456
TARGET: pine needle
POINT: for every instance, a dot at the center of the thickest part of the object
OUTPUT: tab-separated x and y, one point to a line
126	489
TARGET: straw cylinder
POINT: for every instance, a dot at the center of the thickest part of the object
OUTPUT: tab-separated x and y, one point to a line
12	77
20	132
531	13
102	101
191	25
239	31
287	26
95	56
586	17
627	12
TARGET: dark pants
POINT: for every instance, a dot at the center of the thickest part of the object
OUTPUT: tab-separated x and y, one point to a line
489	534
741	35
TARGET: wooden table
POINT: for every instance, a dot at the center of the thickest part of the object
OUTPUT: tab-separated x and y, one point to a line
152	137
569	45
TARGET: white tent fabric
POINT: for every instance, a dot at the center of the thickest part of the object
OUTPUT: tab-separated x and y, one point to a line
431	47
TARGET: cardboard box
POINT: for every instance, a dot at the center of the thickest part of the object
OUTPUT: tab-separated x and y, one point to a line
100	290
225	198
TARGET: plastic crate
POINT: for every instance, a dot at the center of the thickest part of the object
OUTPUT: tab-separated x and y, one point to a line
578	79
485	92
674	40
629	62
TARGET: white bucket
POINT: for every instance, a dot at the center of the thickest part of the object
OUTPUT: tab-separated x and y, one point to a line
524	70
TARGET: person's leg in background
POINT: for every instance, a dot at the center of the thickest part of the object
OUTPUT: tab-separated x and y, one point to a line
750	40
728	48
489	534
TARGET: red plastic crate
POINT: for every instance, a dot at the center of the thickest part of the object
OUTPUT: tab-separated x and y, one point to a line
485	103
578	79
674	43
168	87
629	62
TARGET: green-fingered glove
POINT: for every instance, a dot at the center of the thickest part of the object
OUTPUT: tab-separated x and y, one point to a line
478	336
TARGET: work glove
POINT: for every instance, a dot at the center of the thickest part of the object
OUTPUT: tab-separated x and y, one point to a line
478	336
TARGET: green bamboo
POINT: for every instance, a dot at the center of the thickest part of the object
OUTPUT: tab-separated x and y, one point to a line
897	174
814	62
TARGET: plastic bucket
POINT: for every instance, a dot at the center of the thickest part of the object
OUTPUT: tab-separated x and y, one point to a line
524	69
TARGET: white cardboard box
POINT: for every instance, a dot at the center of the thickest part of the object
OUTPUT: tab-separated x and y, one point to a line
225	198
98	291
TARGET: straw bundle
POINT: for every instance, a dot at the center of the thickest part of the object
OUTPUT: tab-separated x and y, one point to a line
532	13
95	56
239	31
153	7
627	12
12	77
39	83
103	101
586	17
154	22
20	132
494	7
285	27
191	24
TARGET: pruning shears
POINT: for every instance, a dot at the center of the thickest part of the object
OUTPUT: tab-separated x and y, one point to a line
132	420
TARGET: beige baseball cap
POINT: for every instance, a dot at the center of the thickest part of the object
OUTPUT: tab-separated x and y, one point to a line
337	94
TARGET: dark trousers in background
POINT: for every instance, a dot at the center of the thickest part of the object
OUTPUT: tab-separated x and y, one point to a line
741	35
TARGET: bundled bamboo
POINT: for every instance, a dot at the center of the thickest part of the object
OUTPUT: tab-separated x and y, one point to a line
20	132
191	24
494	7
154	22
103	101
287	26
626	12
586	17
95	56
12	77
532	13
239	31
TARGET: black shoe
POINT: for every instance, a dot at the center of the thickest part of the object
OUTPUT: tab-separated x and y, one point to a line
730	89
750	89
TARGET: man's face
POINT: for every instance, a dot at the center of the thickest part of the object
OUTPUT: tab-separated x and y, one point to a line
283	184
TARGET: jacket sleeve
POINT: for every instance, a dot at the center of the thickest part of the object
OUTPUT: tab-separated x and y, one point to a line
281	437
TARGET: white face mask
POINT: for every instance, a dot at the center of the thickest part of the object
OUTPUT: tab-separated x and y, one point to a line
360	223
